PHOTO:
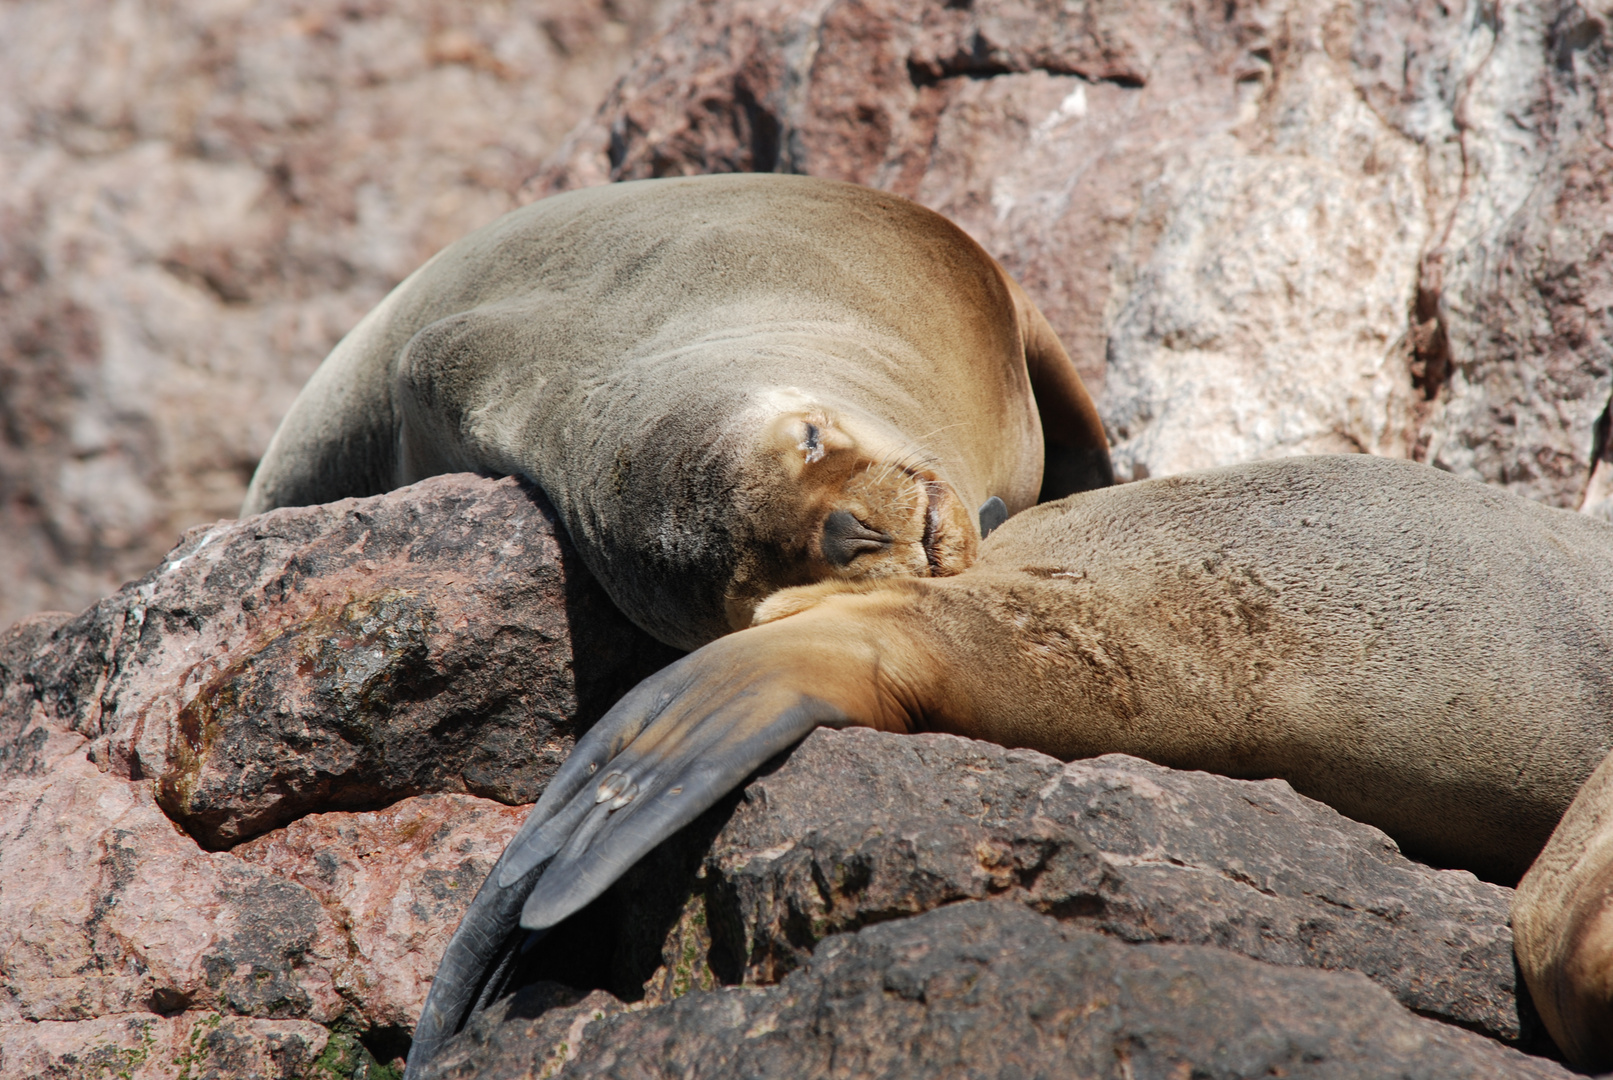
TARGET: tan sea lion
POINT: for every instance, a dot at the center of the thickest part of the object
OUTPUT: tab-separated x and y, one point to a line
1424	653
1562	927
725	384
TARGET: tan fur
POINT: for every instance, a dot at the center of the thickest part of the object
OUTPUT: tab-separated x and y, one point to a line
650	355
1421	652
1424	653
1562	923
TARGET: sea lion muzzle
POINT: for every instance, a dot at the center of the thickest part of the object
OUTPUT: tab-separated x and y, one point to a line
845	538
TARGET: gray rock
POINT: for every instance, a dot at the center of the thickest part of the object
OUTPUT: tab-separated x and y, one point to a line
858	827
991	989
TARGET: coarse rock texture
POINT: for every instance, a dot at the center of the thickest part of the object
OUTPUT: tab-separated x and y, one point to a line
444	637
990	989
199	1046
198	198
1289	227
243	803
441	638
857	828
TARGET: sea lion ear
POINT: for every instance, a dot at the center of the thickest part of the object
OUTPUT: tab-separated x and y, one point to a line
993	512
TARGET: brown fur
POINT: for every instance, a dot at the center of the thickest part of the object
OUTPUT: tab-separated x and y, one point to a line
1424	653
650	354
1562	922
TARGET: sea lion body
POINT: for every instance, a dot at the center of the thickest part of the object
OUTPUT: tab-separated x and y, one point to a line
1562	927
701	374
1424	653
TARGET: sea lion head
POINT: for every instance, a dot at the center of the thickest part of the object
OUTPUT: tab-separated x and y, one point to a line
692	516
834	493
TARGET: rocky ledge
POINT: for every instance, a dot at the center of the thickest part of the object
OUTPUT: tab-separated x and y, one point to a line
244	801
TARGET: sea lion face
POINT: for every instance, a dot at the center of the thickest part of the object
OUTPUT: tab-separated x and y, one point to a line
846	499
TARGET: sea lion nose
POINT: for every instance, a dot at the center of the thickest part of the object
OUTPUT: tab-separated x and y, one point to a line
845	538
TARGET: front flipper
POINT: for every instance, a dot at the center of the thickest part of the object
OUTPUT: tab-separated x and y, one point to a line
670	749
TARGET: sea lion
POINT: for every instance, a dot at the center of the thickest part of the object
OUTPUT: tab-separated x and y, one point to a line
725	384
1424	653
1562	927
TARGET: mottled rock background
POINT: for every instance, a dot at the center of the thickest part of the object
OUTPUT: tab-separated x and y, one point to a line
197	199
1261	228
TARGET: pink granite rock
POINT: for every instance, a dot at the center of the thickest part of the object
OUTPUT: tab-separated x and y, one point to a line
440	638
396	881
197	1046
198	199
268	673
118	934
109	908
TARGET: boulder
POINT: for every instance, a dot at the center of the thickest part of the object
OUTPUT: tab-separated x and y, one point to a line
991	989
859	827
308	674
444	637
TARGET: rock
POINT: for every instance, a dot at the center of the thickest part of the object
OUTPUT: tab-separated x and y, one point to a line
444	637
858	827
109	909
531	1033
271	672
396	881
993	989
338	919
197	200
198	1046
1285	228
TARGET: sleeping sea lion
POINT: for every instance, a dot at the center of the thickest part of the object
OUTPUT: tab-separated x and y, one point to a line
725	384
1423	653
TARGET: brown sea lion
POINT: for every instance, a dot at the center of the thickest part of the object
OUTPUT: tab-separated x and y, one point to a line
726	385
1424	653
1562	927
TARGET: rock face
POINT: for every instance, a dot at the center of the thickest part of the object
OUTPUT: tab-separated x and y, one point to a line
1261	229
858	829
198	199
245	800
991	989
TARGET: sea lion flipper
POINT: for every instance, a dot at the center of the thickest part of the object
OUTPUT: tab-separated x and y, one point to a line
665	753
1075	448
699	737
